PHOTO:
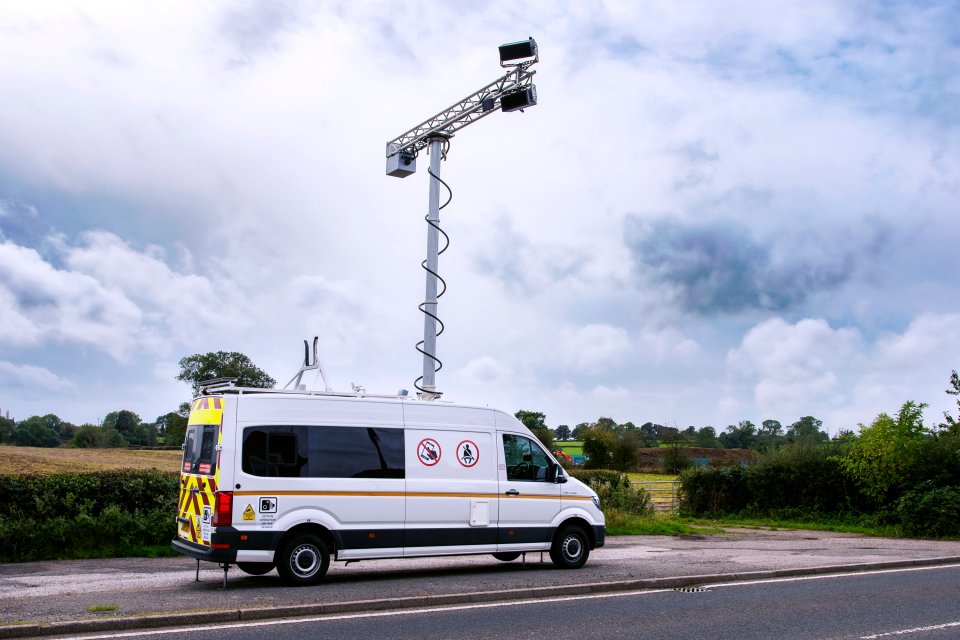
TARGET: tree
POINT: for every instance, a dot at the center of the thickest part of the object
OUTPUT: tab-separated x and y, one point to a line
740	436
124	422
7	429
669	435
951	423
537	423
706	437
650	434
562	432
598	446
770	435
144	435
807	430
884	455
627	427
173	426
623	456
606	423
37	431
222	364
579	430
91	436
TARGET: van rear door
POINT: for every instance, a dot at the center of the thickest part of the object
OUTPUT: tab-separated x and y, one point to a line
200	471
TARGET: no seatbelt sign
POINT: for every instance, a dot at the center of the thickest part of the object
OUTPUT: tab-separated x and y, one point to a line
428	452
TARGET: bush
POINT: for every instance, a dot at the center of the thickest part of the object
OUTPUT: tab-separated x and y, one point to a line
90	436
674	461
801	478
597	477
76	515
615	491
930	512
713	491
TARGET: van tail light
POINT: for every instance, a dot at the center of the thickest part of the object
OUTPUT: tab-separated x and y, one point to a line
223	514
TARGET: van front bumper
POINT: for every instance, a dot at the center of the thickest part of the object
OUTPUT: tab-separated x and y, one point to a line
599	535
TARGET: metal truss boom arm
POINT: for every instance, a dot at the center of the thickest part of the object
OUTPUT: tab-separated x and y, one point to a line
469	110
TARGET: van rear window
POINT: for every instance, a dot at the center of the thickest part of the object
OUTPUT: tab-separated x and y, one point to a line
301	451
200	449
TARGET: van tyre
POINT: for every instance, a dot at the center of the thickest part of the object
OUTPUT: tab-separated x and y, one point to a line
571	547
255	568
304	560
507	556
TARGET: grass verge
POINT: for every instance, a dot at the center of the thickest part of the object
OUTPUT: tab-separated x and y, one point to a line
620	523
837	526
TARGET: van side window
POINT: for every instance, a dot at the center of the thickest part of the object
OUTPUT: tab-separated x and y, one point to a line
525	459
323	452
279	452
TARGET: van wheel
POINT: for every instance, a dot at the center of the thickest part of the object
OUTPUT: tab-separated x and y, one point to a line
507	556
570	548
255	568
304	560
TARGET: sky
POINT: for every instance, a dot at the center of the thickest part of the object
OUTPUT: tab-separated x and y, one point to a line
716	212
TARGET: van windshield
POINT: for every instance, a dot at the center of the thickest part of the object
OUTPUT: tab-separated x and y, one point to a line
199	449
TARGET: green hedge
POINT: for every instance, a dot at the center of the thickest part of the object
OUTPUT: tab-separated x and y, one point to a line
86	515
707	491
615	491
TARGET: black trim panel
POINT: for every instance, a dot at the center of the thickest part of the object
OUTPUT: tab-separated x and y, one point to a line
450	537
599	534
525	535
351	539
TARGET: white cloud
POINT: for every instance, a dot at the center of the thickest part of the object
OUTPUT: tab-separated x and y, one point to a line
65	305
591	349
809	367
484	370
34	378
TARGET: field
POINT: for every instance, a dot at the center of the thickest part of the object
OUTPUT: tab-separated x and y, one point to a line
570	447
16	460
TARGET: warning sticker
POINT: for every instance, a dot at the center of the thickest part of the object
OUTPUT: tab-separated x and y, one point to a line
467	453
205	523
248	513
428	451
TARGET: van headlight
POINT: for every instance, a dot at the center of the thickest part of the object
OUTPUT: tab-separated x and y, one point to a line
596	501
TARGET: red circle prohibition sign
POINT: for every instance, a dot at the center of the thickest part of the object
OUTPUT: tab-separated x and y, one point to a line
467	456
428	452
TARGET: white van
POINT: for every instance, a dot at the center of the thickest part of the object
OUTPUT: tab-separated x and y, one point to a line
286	479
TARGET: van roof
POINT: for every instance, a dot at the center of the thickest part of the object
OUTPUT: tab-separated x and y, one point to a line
222	386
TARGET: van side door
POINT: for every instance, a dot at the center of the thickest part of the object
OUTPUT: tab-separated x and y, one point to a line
529	498
451	492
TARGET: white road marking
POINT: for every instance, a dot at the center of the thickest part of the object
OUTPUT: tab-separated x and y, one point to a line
903	632
827	576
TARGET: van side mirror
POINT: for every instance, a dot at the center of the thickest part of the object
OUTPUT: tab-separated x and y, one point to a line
556	474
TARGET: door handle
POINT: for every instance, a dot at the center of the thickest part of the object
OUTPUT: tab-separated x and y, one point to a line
513	492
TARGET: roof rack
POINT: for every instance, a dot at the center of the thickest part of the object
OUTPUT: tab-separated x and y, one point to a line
216	384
